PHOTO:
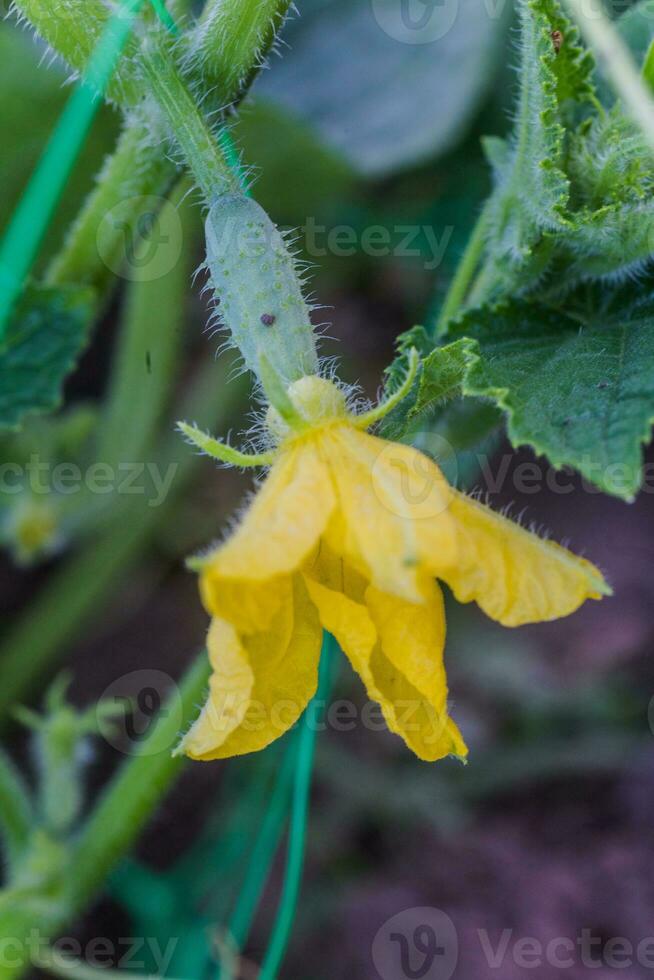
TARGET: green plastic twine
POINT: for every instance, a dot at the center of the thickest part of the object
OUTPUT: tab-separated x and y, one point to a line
299	814
36	207
31	217
165	16
263	852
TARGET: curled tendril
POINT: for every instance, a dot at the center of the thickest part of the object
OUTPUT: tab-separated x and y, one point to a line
380	411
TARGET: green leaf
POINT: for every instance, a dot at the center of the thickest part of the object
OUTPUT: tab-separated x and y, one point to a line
573	64
610	162
531	187
382	92
613	242
612	205
418	338
582	394
440	375
46	335
16	812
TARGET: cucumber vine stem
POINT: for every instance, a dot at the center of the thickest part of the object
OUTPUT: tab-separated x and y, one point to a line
134	792
465	271
198	143
228	33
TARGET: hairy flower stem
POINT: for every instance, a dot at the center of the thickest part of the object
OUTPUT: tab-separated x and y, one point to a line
227	35
617	63
201	149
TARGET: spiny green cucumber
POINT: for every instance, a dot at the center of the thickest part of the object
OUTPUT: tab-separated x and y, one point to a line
258	289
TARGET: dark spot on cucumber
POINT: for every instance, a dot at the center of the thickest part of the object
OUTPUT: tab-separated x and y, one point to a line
268	319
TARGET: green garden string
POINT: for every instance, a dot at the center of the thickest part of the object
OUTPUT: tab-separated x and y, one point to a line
41	196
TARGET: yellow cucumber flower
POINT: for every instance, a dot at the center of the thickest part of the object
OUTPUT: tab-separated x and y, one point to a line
349	533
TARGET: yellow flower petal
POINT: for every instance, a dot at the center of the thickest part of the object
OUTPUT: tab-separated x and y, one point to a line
287	516
425	727
249	606
412	636
427	730
515	576
344	618
329	567
261	683
394	502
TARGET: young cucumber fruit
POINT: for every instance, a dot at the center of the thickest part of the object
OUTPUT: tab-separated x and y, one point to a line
258	289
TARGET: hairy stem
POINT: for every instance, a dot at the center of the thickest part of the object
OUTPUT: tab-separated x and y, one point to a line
139	167
73	29
460	284
232	38
201	150
617	63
